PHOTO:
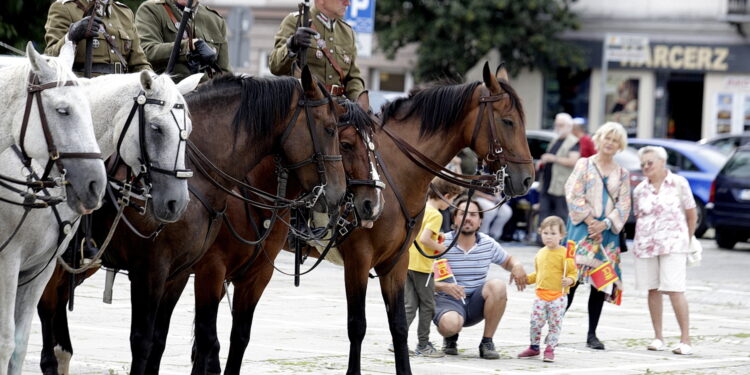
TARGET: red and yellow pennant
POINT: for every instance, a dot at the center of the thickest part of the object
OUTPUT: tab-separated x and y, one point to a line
442	269
570	252
603	275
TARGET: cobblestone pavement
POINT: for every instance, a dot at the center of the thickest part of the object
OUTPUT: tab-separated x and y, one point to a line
303	330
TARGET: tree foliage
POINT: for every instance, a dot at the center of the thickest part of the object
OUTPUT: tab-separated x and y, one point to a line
22	21
454	34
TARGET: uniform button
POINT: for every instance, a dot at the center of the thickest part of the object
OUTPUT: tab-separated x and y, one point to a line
331	39
330	76
330	50
110	24
112	51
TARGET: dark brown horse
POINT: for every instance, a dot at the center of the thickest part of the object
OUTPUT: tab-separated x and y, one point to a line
438	122
237	121
250	267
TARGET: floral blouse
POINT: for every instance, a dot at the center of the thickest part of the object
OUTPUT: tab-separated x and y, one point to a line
584	191
661	227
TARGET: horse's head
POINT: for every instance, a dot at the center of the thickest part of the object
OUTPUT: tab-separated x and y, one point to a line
498	135
154	142
358	151
59	129
311	144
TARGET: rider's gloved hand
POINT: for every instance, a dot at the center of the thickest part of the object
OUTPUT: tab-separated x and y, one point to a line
79	30
204	53
303	37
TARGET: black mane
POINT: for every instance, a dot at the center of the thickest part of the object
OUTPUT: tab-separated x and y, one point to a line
439	107
357	116
263	102
515	100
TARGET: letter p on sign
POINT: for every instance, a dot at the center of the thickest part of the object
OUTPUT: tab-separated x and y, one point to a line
358	5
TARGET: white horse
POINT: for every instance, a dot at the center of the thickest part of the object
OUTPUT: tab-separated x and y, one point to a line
55	128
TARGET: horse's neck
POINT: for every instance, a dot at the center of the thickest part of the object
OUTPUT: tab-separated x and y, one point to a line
111	99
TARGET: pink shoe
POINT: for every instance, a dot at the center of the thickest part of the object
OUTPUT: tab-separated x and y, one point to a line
529	352
549	354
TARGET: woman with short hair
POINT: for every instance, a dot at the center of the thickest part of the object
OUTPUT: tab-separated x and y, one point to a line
665	208
598	197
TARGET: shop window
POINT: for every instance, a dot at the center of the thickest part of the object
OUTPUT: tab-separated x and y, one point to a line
566	91
392	81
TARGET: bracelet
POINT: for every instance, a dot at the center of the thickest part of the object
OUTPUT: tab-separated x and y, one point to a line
608	223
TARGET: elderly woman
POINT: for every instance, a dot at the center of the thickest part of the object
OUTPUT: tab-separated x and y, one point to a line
598	197
665	208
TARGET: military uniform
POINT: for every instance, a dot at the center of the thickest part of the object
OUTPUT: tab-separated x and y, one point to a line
119	27
336	38
158	33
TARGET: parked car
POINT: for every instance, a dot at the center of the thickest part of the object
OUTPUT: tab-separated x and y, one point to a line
729	202
378	98
726	143
698	163
524	212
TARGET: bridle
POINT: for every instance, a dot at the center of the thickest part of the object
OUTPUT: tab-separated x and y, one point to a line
317	157
372	179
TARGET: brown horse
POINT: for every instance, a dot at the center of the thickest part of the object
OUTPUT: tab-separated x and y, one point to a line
441	121
237	121
250	267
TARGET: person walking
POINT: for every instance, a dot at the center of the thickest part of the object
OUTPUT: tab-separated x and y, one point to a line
665	208
557	165
598	196
420	285
115	44
204	47
331	48
554	273
472	298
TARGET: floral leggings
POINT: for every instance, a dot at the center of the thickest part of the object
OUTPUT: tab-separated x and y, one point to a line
547	311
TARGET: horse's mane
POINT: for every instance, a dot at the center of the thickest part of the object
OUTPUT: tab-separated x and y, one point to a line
357	116
264	102
439	105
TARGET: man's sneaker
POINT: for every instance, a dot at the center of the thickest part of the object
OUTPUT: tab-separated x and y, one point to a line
390	349
549	354
450	345
428	350
529	352
487	350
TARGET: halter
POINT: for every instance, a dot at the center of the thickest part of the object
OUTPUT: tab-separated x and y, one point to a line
55	157
372	180
317	157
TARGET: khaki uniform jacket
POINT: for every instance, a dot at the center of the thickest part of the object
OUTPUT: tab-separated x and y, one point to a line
560	173
158	33
339	41
119	25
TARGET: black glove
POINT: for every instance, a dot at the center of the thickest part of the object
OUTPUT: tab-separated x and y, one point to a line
303	37
79	30
204	53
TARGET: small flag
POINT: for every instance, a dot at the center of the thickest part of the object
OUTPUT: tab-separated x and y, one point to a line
617	297
442	269
603	276
571	250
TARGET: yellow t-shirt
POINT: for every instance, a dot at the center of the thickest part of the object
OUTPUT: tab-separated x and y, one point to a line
548	273
433	220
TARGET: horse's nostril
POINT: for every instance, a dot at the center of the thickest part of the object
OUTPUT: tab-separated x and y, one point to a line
172	206
367	208
93	188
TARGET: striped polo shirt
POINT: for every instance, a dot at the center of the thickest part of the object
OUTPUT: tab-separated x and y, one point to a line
470	268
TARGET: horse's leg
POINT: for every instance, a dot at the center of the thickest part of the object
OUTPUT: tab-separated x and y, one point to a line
9	266
209	289
172	293
247	293
146	291
26	300
52	315
392	288
356	270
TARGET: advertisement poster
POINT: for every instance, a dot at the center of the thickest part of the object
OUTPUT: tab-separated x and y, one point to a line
724	113
622	102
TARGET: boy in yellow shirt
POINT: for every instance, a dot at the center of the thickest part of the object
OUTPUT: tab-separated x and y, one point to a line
420	286
554	275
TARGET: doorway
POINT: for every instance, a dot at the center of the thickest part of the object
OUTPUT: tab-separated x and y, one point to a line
685	106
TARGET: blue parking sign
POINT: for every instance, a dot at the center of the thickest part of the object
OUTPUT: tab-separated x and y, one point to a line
361	16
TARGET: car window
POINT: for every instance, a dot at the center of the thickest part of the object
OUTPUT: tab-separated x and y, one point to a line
537	146
725	145
709	157
674	158
738	165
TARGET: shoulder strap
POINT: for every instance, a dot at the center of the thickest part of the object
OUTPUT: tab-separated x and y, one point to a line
606	188
331	60
174	21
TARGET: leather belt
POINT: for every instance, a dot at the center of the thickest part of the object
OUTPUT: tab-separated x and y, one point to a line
102	68
336	90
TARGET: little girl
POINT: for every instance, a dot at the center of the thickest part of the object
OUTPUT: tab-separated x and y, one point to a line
554	274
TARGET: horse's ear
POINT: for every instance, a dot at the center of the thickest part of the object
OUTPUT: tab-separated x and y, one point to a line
67	54
364	101
38	64
190	83
489	80
147	82
307	80
501	73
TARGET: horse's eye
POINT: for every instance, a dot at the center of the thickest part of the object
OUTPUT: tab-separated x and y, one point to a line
508	122
331	131
346	146
63	111
155	128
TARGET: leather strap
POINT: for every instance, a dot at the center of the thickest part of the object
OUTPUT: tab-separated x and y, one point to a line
189	32
331	60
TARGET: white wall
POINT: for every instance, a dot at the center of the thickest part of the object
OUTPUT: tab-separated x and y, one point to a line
651	9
